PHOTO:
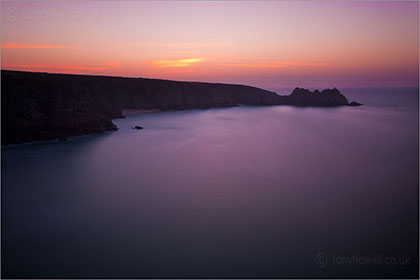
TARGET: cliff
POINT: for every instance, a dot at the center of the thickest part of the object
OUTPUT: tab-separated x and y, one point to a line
41	106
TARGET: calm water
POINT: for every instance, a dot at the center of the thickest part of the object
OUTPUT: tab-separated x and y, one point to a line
248	192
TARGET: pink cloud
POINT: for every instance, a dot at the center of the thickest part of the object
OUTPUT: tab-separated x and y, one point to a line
185	44
279	64
59	67
33	46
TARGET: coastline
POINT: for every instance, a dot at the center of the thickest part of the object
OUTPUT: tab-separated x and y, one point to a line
94	101
129	112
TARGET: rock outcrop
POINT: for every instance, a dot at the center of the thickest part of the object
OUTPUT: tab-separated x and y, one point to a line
41	106
327	97
355	104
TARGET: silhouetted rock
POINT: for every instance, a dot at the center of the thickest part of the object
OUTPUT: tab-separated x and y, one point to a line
327	97
138	127
41	106
354	104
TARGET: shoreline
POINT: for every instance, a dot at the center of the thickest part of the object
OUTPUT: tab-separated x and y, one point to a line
129	112
94	101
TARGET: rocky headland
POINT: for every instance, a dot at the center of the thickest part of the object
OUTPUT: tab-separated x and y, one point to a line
42	106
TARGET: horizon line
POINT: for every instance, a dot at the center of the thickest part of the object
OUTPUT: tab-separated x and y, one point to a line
228	83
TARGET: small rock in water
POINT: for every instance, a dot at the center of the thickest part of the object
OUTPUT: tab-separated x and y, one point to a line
62	139
354	103
138	127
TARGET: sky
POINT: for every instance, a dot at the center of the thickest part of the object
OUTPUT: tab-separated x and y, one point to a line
261	43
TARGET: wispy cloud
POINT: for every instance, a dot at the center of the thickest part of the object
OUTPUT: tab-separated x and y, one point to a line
184	71
113	64
254	65
279	64
164	63
58	67
184	44
291	63
33	46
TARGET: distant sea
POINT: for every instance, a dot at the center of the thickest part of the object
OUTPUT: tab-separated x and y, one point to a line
377	97
244	192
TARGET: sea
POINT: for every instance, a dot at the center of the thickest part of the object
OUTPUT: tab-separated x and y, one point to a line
242	192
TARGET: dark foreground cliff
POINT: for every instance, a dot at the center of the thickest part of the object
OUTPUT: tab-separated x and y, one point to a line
41	106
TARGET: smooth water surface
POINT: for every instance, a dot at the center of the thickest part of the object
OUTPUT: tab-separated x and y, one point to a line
245	192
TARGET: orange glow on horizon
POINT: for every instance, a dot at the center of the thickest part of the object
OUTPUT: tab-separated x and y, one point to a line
165	63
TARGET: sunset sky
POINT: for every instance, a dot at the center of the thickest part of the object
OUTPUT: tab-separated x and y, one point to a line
262	43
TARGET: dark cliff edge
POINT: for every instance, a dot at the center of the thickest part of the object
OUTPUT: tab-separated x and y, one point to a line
42	106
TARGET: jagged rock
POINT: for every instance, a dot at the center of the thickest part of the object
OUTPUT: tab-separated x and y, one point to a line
327	97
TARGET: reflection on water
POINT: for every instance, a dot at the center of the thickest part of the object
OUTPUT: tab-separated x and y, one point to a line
244	192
